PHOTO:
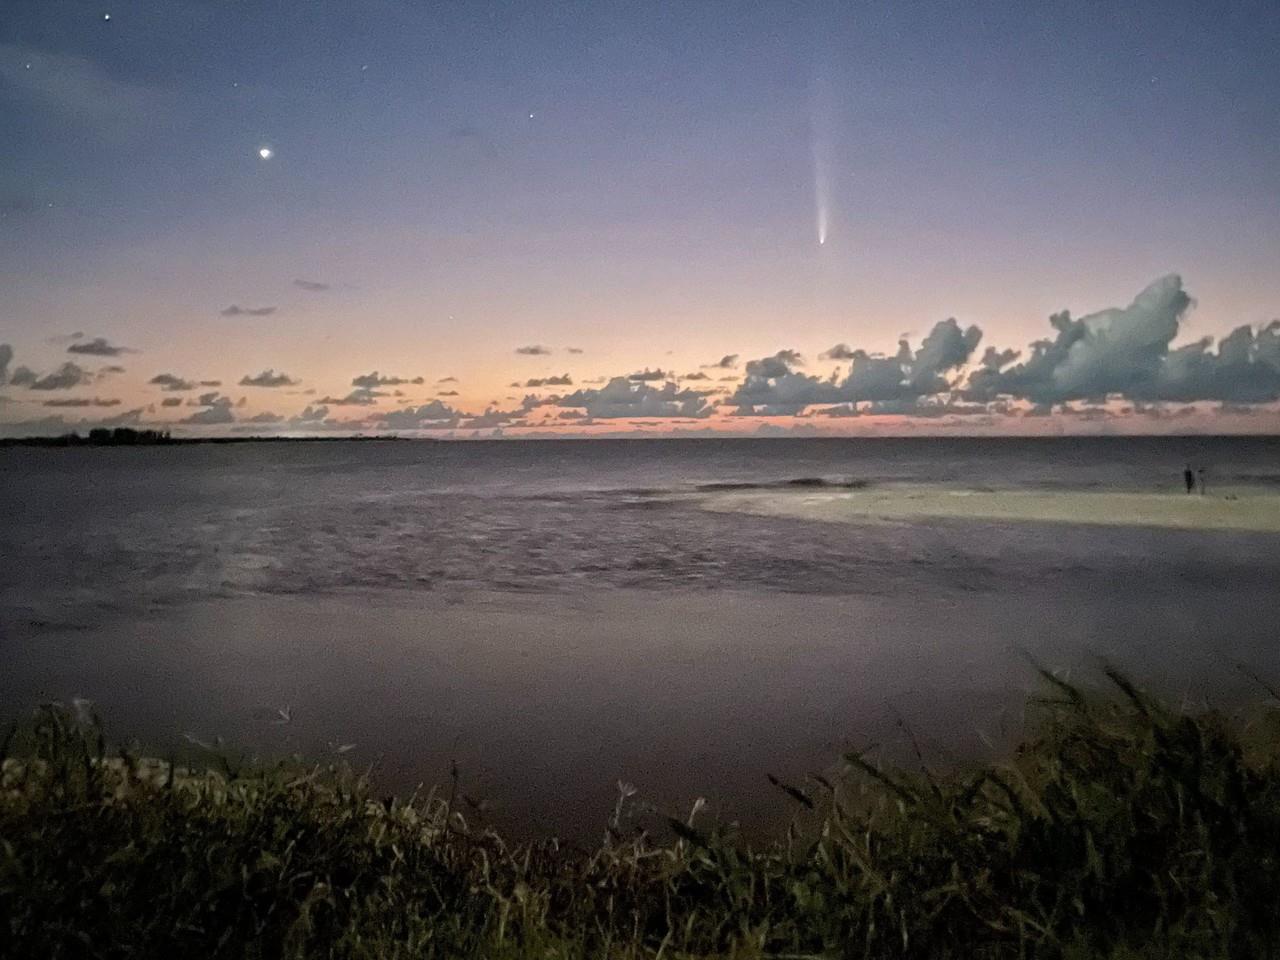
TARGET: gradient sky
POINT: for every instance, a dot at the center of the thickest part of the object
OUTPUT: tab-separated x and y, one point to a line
646	184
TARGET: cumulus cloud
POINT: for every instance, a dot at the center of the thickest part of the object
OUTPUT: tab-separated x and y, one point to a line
216	410
649	376
534	350
237	311
564	380
447	380
1126	352
696	375
171	382
728	362
269	378
314	286
447	393
171	402
772	388
64	378
369	381
265	417
841	351
97	347
81	402
311	415
574	350
622	397
429	415
361	397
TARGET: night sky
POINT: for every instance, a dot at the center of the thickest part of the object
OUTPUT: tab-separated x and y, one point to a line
612	218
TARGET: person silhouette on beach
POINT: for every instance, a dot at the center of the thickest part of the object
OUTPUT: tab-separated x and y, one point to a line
1200	475
1189	478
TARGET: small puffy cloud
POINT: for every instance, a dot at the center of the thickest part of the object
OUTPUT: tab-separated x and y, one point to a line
447	393
210	383
171	402
369	381
728	362
265	417
447	380
574	350
269	378
64	378
534	350
216	410
314	286
841	351
696	375
621	398
311	415
429	415
97	347
362	397
564	380
171	382
238	311
649	376
110	370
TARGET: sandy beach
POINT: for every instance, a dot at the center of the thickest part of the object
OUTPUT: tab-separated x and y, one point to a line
1243	510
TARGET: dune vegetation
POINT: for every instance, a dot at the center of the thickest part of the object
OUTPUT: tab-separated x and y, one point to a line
1120	828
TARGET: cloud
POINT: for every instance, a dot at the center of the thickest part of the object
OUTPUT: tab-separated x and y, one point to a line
77	89
311	415
368	381
171	402
564	380
574	350
64	378
697	375
314	286
210	383
109	370
1126	352
217	410
97	347
171	382
841	351
728	362
649	376
362	397
772	388
447	393
269	378
235	311
447	380
535	350
429	415
265	417
81	402
621	397
6	357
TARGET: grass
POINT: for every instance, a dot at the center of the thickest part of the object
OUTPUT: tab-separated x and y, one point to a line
1120	828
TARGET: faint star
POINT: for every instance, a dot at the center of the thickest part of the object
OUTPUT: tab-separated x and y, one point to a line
531	116
266	153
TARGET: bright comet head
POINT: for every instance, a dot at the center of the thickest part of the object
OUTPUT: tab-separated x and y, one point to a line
266	153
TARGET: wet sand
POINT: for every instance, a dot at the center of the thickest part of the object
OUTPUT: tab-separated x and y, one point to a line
1243	510
546	702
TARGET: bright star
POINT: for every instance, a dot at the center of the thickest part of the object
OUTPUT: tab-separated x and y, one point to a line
266	153
106	16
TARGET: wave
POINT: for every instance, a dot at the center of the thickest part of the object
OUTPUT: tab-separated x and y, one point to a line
819	482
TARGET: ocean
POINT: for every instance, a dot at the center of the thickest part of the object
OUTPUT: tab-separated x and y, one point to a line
553	617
